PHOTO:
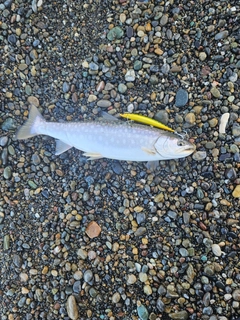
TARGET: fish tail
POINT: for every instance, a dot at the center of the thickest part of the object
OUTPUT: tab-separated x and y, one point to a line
28	129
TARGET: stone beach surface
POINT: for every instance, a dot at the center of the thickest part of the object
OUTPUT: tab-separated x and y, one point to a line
106	239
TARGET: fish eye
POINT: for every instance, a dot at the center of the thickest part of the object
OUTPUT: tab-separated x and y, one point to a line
181	143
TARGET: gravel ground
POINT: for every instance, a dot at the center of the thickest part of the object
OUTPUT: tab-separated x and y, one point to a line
106	239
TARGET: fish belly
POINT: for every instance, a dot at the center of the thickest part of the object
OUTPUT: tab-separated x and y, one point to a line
108	140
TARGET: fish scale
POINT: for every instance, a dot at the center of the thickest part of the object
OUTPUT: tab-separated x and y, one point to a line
109	139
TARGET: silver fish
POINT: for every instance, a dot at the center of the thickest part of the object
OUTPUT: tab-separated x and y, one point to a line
109	139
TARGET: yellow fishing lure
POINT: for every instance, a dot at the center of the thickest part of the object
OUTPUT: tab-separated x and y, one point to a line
146	120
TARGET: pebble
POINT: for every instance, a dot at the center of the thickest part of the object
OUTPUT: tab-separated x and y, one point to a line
179	315
181	98
72	309
223	122
162	116
93	229
7	173
190	118
216	250
115	33
6	242
8	125
221	35
104	103
131	279
122	88
202	56
142	312
236	192
236	130
3	141
215	92
130	75
236	294
116	297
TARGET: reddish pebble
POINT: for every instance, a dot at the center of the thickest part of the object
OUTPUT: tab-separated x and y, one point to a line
93	229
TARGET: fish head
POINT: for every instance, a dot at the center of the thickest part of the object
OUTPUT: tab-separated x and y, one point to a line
172	146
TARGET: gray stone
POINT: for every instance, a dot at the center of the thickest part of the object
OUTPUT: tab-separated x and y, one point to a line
181	98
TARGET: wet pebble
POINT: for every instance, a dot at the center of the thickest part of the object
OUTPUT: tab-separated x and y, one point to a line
72	309
7	173
115	33
181	98
116	297
104	103
122	88
130	75
8	125
142	312
199	155
3	141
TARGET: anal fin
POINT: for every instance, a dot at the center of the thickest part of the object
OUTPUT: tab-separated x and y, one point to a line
61	147
92	155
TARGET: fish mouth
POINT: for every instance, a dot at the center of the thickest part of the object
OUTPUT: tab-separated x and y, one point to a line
191	149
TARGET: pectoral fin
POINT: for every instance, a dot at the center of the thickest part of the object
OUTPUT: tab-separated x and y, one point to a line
148	151
61	147
152	165
108	116
92	155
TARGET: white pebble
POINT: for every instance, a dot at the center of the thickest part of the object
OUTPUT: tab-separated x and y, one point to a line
216	250
223	122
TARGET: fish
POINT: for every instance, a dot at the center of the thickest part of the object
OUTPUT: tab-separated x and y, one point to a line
104	138
146	120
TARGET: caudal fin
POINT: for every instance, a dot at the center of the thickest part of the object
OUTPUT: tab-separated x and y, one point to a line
28	129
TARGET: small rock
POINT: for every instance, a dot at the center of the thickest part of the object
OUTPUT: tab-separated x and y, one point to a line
12	39
65	87
131	279
115	33
82	254
93	229
236	192
72	309
8	125
7	173
6	242
147	289
22	66
137	65
216	250
88	276
164	20
181	98
190	118
104	103
140	231
93	66
221	35
116	297
122	88
92	98
215	92
236	131
33	101
130	75
236	294
153	79
162	116
202	56
181	315
142	312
